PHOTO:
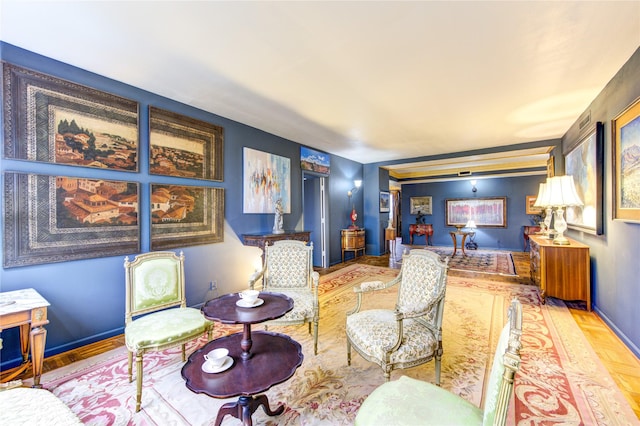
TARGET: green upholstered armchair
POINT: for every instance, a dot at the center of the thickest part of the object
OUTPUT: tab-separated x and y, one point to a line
288	269
156	316
411	334
408	401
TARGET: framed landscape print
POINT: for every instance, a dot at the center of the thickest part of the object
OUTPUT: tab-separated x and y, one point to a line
384	201
184	147
266	179
315	161
626	164
59	218
584	162
486	212
420	205
530	209
52	120
186	216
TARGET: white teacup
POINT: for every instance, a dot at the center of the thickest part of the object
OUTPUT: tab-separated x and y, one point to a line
249	296
216	357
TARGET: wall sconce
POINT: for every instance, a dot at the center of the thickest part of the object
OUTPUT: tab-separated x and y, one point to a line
473	185
356	186
354	215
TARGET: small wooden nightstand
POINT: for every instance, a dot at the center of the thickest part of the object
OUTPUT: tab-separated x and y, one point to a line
352	240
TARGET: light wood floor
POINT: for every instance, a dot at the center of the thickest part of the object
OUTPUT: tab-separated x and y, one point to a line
622	364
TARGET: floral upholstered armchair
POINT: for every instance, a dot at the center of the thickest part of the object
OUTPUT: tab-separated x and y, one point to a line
288	269
411	334
409	402
154	283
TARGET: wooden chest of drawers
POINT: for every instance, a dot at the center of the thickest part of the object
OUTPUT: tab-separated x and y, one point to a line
561	271
353	240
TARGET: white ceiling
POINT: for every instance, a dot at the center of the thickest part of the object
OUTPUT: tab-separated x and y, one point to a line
369	81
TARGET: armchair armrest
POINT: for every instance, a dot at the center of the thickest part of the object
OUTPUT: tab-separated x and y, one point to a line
255	277
370	286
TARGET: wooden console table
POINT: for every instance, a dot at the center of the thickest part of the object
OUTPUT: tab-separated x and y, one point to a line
561	271
27	309
260	240
353	240
421	229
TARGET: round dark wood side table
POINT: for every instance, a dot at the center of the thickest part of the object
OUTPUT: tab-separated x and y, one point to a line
261	359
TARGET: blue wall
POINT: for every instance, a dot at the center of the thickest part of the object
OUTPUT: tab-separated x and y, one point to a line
514	189
615	274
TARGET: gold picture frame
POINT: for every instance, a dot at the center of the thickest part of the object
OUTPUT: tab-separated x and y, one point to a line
626	175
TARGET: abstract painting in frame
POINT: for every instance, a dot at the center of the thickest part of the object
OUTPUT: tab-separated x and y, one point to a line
626	164
184	215
55	121
486	212
59	218
385	201
185	147
585	162
266	178
420	205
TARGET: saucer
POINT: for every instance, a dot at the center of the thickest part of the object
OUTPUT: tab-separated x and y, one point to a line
228	362
243	304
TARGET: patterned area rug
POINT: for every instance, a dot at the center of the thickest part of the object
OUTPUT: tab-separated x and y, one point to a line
561	381
485	261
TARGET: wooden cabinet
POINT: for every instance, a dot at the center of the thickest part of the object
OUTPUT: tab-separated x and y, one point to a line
352	240
259	240
421	229
561	271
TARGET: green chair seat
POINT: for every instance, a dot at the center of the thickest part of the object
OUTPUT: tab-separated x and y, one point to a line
410	395
165	328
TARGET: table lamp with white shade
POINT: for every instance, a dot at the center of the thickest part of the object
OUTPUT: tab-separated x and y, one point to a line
471	243
542	202
562	193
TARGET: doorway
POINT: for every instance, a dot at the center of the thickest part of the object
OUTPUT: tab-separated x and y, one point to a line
314	216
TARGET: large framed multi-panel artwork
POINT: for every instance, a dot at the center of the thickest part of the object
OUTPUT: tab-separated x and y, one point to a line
626	164
183	215
61	218
51	120
584	162
182	146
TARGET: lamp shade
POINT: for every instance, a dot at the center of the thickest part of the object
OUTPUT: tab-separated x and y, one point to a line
471	224
562	191
543	196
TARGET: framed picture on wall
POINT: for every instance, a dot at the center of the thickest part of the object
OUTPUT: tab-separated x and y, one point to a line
551	171
185	147
61	218
486	212
385	202
626	173
55	121
266	179
420	205
184	215
585	163
530	209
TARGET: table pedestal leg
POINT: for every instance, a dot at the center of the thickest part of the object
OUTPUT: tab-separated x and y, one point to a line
244	407
246	342
455	243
